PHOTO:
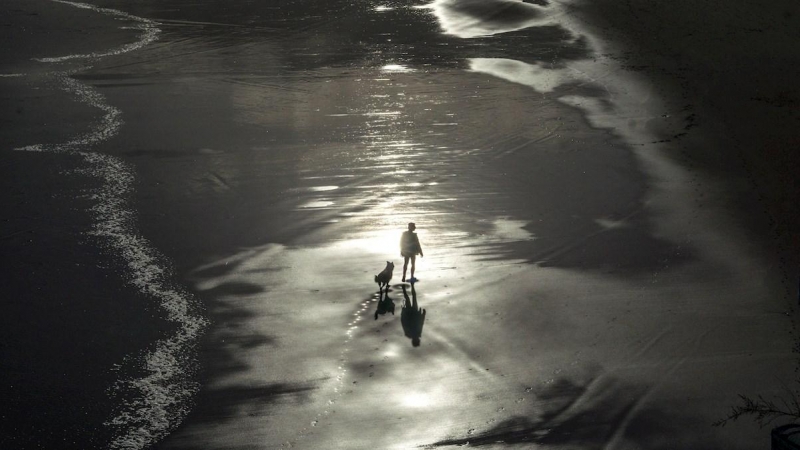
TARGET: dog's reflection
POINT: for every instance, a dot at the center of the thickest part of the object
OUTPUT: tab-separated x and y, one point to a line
385	304
412	317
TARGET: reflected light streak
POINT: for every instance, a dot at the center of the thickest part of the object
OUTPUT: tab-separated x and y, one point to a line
396	68
323	188
392	157
383	113
400	144
404	171
317	204
392	186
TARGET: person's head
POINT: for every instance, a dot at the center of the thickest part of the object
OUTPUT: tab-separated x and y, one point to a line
411	226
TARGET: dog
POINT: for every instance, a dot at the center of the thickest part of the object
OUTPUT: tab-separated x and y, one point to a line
385	276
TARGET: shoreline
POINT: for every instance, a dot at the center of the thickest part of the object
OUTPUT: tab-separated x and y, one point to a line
151	382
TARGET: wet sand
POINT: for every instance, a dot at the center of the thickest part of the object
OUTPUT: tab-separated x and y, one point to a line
582	290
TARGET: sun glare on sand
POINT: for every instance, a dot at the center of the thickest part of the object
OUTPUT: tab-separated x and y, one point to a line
426	396
375	241
416	400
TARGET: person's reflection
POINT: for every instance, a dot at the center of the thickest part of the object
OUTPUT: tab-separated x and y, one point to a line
385	304
412	317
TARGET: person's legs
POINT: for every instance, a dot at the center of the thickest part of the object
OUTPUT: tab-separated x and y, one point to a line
405	266
413	265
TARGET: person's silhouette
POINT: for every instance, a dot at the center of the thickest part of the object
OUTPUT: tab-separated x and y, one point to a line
412	317
409	249
385	304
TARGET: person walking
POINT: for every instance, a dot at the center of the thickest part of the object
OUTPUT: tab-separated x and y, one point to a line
409	249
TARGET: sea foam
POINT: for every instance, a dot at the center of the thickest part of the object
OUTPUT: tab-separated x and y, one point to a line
149	33
156	402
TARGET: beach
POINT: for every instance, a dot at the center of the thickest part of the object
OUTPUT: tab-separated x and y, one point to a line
199	195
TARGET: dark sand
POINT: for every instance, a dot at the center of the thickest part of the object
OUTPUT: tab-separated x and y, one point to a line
730	70
582	290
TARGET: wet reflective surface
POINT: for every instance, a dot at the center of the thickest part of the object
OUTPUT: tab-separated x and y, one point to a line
565	300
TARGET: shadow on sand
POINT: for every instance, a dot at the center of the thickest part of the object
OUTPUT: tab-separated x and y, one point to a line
590	415
220	354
